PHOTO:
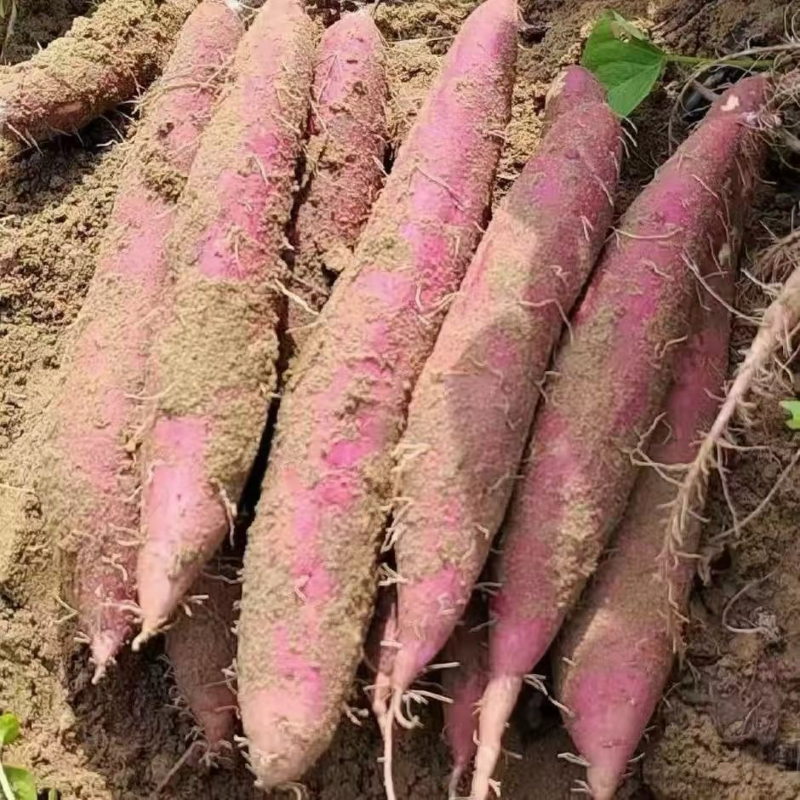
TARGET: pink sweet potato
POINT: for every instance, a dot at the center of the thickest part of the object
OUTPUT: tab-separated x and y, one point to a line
616	653
104	60
611	379
464	685
91	478
201	648
213	368
473	405
310	563
344	162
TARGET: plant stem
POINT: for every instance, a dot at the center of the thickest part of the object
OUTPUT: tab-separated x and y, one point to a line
745	63
8	792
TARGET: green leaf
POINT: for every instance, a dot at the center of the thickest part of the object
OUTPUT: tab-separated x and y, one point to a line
793	408
9	729
626	27
624	61
22	783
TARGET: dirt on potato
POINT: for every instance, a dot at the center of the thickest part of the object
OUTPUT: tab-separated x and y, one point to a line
729	726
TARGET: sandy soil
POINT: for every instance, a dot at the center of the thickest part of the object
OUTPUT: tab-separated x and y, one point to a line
730	725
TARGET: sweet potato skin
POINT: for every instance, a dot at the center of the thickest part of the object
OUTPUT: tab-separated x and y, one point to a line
90	480
213	369
611	380
200	648
102	61
344	155
482	382
310	561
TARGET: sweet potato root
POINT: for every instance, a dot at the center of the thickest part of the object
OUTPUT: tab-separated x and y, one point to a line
380	650
616	653
779	322
611	380
464	685
91	479
102	61
213	370
201	648
344	162
481	384
310	560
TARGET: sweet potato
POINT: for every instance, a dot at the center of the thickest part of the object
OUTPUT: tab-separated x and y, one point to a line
344	162
616	653
611	379
201	648
481	384
464	685
213	368
102	61
90	480
310	562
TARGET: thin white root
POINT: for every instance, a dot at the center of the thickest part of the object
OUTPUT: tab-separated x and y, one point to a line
498	703
298	790
776	329
99	673
388	728
381	694
177	766
145	635
455	779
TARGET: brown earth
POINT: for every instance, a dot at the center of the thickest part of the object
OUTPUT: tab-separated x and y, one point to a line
730	725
